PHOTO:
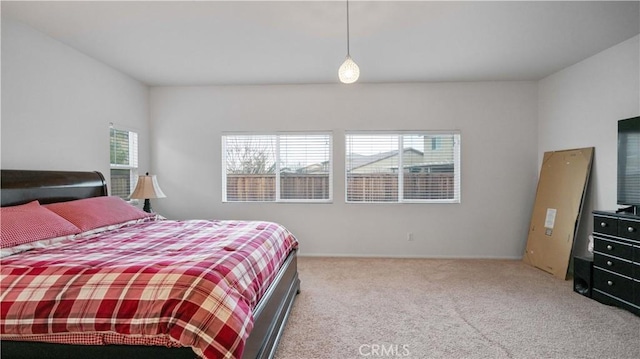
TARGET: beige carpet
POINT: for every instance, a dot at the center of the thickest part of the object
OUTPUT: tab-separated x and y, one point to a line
431	308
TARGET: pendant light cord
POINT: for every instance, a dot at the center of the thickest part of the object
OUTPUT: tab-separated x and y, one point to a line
349	71
348	29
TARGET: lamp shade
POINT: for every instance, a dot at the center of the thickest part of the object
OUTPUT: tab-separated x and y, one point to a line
147	187
349	72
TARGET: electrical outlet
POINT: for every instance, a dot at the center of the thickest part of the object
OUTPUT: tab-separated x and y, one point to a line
409	236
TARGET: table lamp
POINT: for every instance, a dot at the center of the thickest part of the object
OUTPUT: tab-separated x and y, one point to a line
146	188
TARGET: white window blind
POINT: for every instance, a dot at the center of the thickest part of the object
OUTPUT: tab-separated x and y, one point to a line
289	167
628	162
403	167
124	161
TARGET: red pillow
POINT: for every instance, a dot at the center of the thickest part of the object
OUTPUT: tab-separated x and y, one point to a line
96	212
31	222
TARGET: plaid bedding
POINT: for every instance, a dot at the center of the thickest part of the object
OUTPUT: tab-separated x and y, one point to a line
176	283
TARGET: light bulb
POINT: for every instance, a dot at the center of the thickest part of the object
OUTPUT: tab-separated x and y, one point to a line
349	71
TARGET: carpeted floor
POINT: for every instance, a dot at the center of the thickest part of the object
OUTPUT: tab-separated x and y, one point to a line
440	308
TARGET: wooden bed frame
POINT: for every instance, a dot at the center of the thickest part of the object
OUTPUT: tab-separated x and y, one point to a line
270	315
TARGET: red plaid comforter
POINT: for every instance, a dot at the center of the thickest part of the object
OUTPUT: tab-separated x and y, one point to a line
178	283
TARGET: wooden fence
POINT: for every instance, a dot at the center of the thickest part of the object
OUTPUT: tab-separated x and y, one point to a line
120	183
246	187
378	187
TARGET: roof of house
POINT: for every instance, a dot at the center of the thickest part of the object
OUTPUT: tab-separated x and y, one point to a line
357	161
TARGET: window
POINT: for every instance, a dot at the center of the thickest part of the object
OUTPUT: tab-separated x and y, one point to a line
403	167
436	143
279	167
124	161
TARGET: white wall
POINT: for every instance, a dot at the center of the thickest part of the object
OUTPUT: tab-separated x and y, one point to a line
497	121
56	100
57	104
580	106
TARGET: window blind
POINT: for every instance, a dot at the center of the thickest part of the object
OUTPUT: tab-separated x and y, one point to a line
305	167
123	161
277	167
403	167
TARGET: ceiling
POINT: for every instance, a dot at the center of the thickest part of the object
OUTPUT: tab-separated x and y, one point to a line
299	42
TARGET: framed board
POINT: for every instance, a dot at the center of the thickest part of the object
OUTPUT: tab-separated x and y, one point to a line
556	213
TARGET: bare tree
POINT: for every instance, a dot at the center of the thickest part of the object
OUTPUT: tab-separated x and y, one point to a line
250	154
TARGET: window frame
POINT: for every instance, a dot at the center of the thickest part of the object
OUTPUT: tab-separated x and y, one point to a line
133	166
457	153
278	190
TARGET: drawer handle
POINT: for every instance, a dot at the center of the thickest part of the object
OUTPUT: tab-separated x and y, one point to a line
609	247
609	283
609	263
631	229
603	224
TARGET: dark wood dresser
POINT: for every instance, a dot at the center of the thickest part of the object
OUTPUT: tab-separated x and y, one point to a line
616	259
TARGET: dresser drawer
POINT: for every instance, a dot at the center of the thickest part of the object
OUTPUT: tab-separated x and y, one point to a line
613	248
614	264
616	259
629	229
613	284
605	225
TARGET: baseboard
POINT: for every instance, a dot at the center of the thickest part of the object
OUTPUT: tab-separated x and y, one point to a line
401	256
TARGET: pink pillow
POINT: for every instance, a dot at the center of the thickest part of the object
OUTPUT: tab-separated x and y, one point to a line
31	222
96	212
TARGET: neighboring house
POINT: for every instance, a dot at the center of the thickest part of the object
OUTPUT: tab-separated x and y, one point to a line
435	159
322	167
384	162
433	167
438	149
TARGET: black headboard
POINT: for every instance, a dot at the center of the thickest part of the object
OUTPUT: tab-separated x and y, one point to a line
23	186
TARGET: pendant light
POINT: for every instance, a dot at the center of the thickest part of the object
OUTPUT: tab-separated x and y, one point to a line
349	71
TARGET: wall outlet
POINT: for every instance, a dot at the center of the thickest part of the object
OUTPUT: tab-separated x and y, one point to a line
409	236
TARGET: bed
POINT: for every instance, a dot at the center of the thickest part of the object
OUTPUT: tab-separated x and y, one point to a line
241	303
